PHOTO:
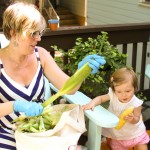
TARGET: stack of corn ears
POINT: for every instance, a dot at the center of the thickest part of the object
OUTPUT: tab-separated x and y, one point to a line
46	120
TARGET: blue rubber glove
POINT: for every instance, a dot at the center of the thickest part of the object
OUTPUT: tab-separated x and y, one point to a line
95	61
29	108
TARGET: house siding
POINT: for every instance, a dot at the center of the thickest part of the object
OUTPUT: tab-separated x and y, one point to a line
116	12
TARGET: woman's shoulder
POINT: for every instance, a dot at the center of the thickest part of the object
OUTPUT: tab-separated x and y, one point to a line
44	55
41	50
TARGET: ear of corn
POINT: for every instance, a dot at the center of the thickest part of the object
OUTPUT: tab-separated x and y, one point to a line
121	117
74	81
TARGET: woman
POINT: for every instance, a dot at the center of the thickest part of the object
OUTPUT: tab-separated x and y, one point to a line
23	66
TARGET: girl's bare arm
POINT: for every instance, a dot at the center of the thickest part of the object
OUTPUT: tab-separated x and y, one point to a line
96	101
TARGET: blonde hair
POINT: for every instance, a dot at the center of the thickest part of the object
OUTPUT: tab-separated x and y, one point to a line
22	18
123	75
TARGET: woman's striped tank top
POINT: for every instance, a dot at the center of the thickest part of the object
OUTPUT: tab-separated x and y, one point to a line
10	91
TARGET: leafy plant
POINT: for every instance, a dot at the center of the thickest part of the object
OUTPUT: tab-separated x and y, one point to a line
141	96
95	84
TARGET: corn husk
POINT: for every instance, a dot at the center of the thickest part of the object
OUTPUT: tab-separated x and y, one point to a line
46	121
74	81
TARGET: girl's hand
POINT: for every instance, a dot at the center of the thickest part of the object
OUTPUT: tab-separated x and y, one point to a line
90	105
129	118
135	116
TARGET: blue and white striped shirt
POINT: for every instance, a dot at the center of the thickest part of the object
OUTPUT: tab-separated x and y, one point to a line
11	90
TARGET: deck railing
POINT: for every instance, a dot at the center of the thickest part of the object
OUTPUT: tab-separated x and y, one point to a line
130	38
50	11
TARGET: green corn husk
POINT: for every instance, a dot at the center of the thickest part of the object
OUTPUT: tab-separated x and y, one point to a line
45	121
74	81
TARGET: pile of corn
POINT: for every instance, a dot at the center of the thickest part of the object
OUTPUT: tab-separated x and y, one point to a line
48	120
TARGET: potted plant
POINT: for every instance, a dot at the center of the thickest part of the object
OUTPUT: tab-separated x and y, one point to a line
95	84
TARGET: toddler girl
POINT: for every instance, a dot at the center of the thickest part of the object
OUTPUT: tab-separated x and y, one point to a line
123	85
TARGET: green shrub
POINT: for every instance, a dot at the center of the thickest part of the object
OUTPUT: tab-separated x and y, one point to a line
95	84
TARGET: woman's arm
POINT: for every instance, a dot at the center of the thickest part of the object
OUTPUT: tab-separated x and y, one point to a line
6	108
29	108
51	70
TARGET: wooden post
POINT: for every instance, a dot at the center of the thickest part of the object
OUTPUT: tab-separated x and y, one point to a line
41	5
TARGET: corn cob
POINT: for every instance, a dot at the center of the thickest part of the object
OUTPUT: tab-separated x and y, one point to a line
121	117
74	81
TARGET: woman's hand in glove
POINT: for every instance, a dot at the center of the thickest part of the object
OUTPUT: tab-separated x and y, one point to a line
29	108
95	61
